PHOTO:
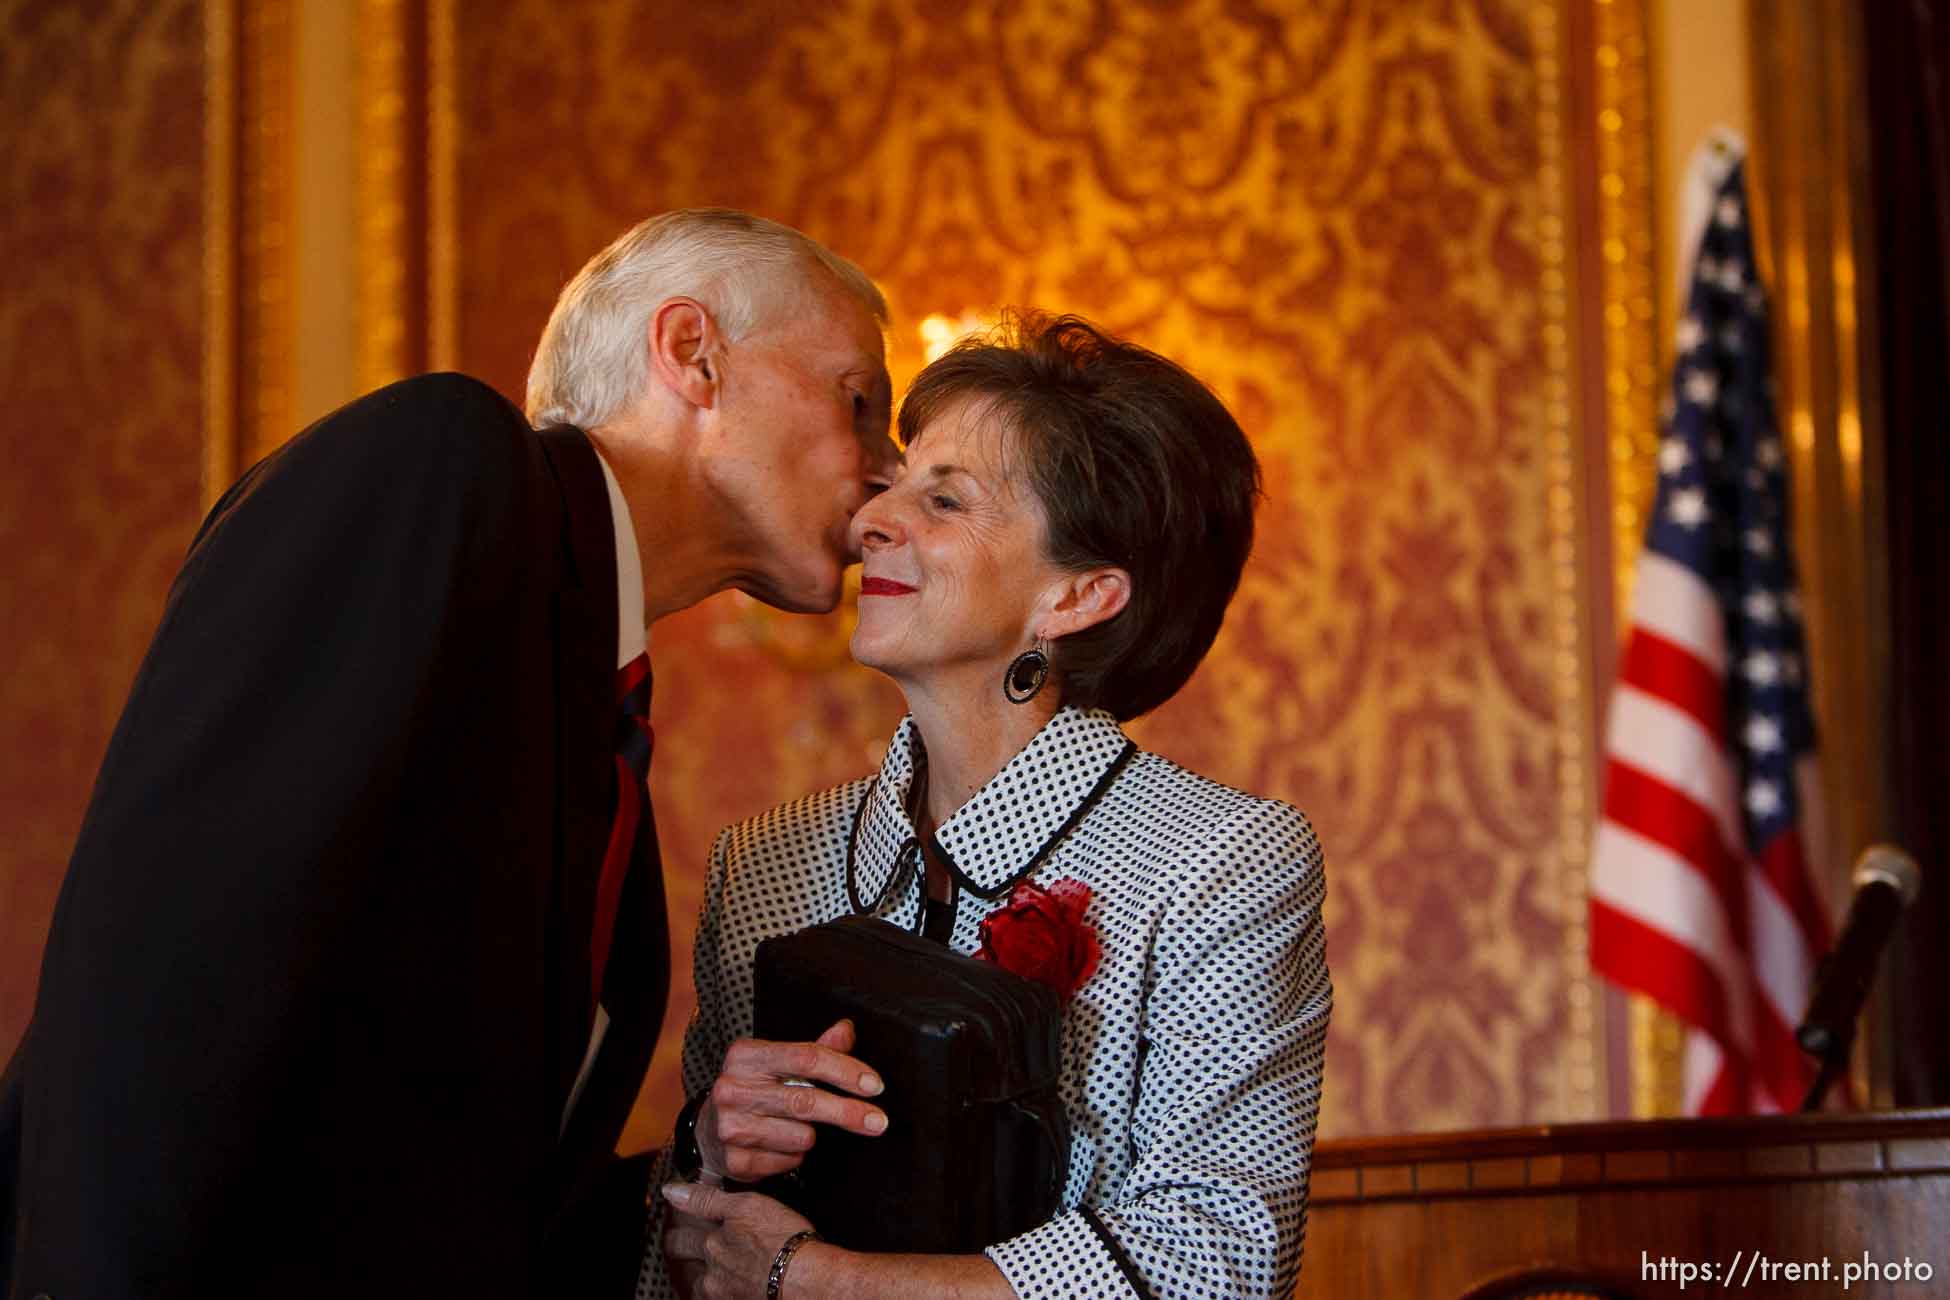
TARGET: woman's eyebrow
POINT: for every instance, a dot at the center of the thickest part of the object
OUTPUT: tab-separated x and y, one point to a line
940	472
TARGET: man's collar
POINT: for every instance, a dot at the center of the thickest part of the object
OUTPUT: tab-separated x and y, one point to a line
1000	834
631	638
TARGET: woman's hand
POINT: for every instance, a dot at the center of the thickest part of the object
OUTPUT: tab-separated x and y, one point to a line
722	1244
758	1120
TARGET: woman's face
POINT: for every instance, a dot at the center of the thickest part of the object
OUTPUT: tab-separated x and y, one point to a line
953	577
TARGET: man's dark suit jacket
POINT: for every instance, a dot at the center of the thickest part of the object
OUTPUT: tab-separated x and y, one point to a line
317	986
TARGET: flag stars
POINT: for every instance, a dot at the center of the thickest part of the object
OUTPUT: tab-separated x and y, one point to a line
1673	456
1762	607
1731	277
1763	799
1727	213
1687	508
1763	734
1768	453
1700	387
1690	334
1759	541
1762	668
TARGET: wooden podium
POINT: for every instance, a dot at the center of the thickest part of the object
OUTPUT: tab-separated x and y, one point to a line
1636	1209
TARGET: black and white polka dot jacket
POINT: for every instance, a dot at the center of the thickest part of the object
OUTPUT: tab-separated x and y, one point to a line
1191	1057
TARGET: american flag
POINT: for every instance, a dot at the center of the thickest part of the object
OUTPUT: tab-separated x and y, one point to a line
1701	895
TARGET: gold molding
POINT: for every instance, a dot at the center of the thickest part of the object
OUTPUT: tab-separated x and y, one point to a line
220	459
267	341
1621	78
1568	677
1658	1059
443	341
1625	237
383	181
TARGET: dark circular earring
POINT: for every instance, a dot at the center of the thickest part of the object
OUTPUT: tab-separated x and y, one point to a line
1026	673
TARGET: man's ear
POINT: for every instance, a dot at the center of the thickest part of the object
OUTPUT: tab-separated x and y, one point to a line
684	345
1083	600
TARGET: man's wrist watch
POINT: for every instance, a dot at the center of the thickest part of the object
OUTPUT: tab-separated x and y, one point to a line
686	1157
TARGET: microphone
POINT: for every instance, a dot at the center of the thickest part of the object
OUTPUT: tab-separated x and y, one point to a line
1886	881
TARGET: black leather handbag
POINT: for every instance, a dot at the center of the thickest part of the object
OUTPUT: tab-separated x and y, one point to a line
977	1146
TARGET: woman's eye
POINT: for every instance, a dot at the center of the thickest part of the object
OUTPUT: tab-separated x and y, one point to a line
941	502
859	405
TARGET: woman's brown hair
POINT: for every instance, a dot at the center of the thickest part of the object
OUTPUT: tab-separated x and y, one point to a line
1137	465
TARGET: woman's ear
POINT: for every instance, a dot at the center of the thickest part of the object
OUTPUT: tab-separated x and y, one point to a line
1083	600
684	344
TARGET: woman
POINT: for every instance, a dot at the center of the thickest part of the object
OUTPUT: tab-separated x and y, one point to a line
1056	557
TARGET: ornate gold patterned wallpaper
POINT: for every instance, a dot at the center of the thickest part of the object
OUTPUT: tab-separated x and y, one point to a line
100	362
1347	217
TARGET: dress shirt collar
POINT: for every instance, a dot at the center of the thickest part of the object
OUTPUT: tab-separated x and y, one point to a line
631	638
994	838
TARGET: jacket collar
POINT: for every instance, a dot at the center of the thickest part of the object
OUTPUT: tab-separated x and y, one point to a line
1007	829
881	844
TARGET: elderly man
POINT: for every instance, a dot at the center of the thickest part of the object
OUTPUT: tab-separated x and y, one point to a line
362	950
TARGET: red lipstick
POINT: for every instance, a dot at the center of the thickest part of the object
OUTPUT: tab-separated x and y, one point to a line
884	587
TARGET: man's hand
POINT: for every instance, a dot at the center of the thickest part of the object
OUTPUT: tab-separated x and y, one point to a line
721	1244
758	1120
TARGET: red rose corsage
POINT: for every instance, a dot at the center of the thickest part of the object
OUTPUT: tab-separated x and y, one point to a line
1040	934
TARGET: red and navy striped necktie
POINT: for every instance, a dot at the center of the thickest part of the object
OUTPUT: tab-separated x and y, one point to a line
633	832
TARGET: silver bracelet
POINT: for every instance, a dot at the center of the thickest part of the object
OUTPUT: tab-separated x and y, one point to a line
776	1278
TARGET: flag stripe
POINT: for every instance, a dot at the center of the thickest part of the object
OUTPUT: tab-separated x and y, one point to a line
1661	892
1648	807
1666	970
1713	1082
1651	735
1780	1073
1671	602
1723	1097
1783	957
1671	672
1786	870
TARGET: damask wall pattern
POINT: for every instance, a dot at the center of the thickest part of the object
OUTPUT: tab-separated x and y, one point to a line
101	134
1337	215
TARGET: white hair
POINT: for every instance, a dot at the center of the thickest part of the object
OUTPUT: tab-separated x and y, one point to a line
592	360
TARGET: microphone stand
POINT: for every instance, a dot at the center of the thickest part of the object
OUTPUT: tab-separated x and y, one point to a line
1832	1065
1886	879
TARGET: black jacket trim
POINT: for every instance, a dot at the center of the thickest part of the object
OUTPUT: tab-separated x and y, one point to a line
1124	1263
1042	855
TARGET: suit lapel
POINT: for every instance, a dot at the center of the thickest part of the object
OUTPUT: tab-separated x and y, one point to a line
585	717
639	971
